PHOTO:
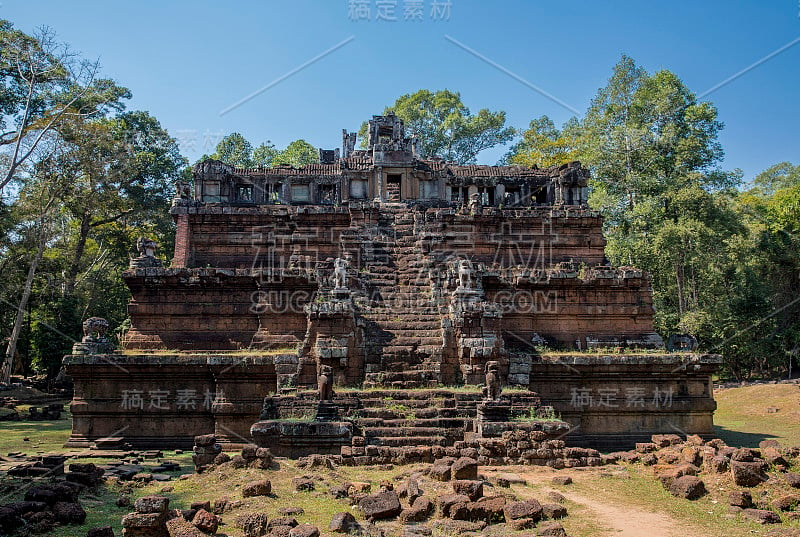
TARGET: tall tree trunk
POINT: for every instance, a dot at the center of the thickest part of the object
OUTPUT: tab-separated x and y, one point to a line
80	246
11	350
679	277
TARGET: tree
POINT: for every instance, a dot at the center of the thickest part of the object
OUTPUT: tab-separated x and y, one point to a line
38	200
42	85
544	145
115	179
235	150
298	153
653	151
445	127
264	154
612	139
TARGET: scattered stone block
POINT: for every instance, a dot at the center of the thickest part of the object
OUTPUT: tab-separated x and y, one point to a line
688	487
343	523
446	501
252	524
762	516
440	471
490	510
740	498
205	521
291	511
221	505
465	468
554	511
562	480
303	484
151	504
527	509
748	474
178	527
773	456
551	529
472	489
787	502
304	530
770	442
520	524
69	513
381	505
262	487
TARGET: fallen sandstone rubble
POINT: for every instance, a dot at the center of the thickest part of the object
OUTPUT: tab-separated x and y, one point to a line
449	495
534	448
685	466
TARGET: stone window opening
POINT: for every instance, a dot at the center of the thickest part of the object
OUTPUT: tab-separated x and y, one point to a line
244	193
327	194
512	197
393	187
540	196
300	194
486	196
459	194
472	328
385	133
274	193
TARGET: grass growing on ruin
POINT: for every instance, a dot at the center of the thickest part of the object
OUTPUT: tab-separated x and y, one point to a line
742	418
465	388
241	352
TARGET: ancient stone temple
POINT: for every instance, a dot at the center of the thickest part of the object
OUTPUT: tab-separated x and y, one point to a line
394	277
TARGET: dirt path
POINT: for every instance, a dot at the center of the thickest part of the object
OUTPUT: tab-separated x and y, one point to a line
612	517
628	521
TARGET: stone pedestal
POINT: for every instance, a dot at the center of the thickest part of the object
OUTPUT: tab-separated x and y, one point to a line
300	438
145	261
494	411
90	345
341	293
327	411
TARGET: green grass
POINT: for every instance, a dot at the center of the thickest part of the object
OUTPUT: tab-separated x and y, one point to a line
45	436
742	419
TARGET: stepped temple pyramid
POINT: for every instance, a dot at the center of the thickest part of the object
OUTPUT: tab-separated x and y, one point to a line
358	306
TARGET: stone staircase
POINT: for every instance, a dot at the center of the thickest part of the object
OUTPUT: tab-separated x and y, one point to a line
421	417
403	320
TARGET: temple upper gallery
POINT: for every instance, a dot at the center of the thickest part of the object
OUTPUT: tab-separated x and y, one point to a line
390	169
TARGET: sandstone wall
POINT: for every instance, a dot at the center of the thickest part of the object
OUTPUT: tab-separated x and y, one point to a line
164	400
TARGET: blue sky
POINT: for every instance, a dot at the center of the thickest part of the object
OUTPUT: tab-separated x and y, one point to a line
186	61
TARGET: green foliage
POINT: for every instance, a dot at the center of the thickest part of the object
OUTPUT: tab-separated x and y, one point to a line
264	154
298	153
235	150
43	86
719	258
544	145
88	180
54	327
445	127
